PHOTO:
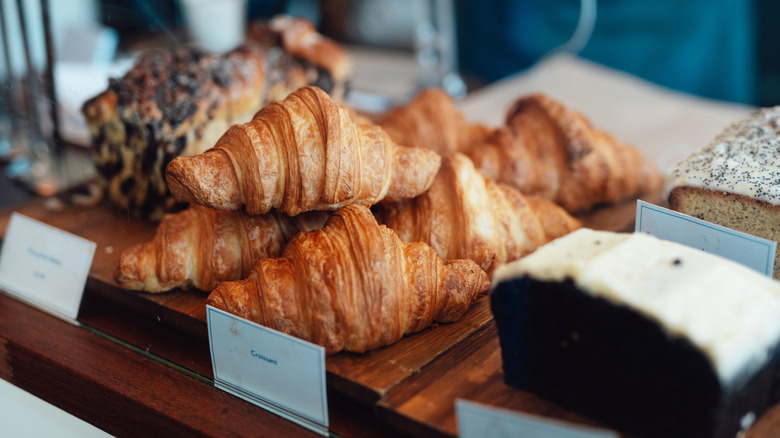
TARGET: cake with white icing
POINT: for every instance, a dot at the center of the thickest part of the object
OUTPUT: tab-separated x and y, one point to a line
650	337
735	180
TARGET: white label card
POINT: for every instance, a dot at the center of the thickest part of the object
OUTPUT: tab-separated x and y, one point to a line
280	373
751	251
476	420
45	266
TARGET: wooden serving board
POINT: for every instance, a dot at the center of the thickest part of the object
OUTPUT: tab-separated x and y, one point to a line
367	378
364	377
424	405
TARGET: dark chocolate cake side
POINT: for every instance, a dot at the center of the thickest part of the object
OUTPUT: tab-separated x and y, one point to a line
615	365
620	364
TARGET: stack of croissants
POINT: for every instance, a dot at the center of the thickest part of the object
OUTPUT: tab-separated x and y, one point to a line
349	233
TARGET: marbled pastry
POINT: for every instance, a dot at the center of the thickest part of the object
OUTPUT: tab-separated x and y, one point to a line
180	101
651	337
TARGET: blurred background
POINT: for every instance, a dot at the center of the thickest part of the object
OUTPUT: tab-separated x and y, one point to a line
59	53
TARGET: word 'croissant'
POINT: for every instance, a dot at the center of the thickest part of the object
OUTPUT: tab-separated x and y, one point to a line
201	247
353	285
299	154
466	215
544	149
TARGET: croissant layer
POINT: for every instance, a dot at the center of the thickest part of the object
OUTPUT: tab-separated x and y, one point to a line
547	150
353	285
433	121
466	215
303	153
201	247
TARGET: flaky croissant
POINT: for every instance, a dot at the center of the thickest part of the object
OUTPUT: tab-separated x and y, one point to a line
200	247
353	285
299	37
299	154
466	215
433	121
547	150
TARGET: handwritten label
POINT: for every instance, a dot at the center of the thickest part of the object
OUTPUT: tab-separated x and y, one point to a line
277	372
45	266
480	421
751	251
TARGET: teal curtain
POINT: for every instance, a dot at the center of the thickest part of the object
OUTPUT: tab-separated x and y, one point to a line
703	47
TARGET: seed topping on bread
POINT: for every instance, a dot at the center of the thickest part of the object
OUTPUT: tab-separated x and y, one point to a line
744	159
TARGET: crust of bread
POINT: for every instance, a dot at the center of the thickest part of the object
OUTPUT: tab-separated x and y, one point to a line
731	210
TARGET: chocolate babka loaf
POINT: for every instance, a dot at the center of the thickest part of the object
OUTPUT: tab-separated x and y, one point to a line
180	101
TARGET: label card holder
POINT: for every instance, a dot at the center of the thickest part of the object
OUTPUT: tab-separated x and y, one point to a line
751	251
45	266
280	373
476	420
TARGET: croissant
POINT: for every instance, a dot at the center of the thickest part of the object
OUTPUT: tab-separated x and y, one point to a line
544	149
299	154
353	285
200	247
466	215
433	121
299	37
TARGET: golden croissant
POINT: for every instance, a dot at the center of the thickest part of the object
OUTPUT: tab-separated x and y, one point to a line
433	121
466	215
200	247
299	154
353	285
545	149
299	37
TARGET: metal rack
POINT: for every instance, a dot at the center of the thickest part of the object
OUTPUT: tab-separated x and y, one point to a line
31	149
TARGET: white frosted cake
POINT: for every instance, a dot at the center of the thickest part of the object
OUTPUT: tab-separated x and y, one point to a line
735	180
649	336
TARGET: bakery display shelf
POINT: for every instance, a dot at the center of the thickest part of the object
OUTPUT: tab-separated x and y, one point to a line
363	377
170	328
128	390
424	405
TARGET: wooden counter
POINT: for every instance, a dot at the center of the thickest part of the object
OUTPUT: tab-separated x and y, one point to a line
139	363
128	392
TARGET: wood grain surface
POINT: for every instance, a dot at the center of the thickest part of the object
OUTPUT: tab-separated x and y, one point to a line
364	377
411	385
127	394
423	405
